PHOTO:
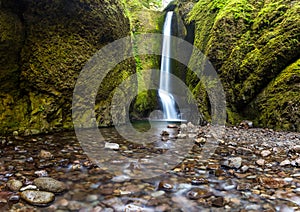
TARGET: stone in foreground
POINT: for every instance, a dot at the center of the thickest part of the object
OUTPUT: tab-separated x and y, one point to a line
38	198
50	184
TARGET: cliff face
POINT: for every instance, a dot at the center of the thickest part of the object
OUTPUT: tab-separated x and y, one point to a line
44	46
255	48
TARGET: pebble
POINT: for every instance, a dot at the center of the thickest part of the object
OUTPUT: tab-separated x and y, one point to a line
50	184
14	185
285	162
218	202
45	154
120	178
158	193
39	198
260	162
197	193
113	146
265	153
235	162
29	187
165	185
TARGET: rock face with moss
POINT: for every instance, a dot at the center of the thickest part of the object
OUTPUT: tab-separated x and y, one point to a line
44	46
255	48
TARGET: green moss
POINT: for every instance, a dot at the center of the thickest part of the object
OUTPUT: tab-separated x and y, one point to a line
249	43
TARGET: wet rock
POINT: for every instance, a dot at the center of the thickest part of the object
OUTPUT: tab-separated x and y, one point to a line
39	198
199	181
296	148
29	187
15	133
158	193
218	202
50	184
45	154
182	136
91	198
41	173
244	151
260	162
4	196
14	198
246	124
14	185
165	133
120	178
271	182
265	153
200	140
285	163
172	126
165	185
113	146
235	162
197	193
244	186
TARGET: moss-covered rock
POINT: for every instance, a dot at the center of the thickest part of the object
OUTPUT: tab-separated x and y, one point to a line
43	47
250	43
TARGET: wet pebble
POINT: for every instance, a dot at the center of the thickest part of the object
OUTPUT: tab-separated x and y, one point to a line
45	154
260	162
113	146
165	185
38	198
218	202
265	153
197	193
50	184
235	162
14	185
29	187
285	162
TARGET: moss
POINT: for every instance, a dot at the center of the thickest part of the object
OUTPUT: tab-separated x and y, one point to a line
40	70
249	43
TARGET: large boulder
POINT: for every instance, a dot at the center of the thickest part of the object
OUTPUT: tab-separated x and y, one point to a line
43	47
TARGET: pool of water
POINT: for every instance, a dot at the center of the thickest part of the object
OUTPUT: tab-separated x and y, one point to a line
131	178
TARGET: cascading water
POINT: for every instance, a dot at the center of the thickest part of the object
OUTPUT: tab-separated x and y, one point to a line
167	99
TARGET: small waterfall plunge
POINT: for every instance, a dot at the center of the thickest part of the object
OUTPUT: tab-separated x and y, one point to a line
167	99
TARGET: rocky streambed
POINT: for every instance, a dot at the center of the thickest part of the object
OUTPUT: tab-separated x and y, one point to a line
249	170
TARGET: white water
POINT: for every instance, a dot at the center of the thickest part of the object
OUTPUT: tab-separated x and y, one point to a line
167	99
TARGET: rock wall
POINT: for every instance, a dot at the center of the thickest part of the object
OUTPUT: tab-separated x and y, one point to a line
255	47
44	46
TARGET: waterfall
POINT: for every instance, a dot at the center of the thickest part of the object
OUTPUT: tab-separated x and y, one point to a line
167	99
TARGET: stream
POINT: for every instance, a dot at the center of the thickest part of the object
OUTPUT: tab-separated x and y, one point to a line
250	170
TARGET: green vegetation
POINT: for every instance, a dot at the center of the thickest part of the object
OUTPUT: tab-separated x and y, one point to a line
250	43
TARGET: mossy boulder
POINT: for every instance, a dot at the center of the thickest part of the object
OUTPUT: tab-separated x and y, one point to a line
251	44
44	46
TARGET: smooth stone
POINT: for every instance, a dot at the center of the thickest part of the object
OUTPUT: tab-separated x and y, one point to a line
29	187
120	178
235	162
166	186
14	185
260	162
38	198
182	136
285	162
45	154
158	193
265	153
113	146
50	184
197	193
92	198
41	173
218	202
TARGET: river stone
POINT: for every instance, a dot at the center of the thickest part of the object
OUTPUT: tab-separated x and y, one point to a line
265	153
235	162
50	184
38	198
14	185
